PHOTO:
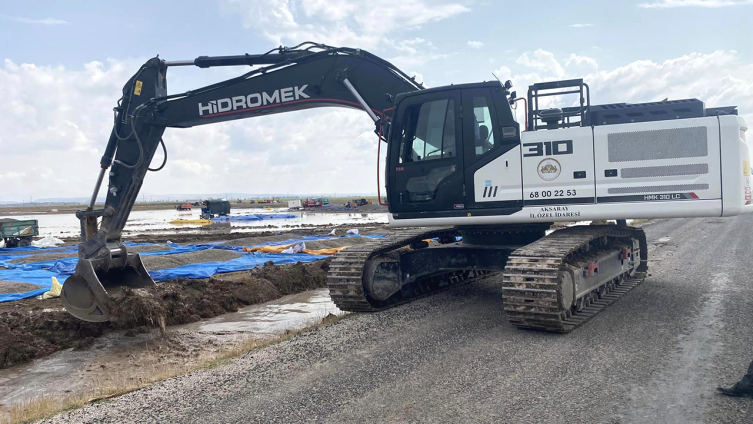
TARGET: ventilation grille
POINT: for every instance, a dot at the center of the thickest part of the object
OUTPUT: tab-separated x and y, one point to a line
674	143
665	171
659	189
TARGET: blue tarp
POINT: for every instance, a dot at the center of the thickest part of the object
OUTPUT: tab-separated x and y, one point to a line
39	277
255	217
245	262
31	249
40	273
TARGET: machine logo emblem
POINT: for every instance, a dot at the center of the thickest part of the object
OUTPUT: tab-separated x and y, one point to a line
549	169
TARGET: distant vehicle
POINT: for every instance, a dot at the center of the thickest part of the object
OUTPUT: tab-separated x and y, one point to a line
295	204
311	203
323	201
184	207
213	208
18	233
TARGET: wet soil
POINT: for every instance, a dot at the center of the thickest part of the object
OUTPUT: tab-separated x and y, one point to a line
52	256
183	301
34	328
171	261
16	287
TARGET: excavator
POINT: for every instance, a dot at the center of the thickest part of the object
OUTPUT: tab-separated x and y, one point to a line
469	190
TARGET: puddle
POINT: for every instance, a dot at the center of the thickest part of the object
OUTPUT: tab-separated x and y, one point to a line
158	221
114	358
269	319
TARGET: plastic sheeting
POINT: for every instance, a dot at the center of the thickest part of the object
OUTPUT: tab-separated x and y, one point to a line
48	241
244	263
255	217
181	221
41	273
281	249
39	277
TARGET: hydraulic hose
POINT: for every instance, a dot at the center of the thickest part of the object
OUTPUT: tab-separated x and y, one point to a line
164	160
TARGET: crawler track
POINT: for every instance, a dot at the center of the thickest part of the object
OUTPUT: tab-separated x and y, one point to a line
532	286
345	277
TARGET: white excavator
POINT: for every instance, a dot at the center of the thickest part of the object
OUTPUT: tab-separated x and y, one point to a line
470	191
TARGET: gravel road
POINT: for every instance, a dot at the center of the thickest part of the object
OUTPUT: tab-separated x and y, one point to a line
656	355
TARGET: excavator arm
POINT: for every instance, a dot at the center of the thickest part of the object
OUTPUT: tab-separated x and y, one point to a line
287	79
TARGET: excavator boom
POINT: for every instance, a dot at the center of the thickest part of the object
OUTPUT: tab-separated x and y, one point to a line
306	76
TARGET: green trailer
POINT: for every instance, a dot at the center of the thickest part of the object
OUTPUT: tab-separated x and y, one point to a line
18	233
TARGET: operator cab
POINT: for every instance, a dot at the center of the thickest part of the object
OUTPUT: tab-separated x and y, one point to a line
439	139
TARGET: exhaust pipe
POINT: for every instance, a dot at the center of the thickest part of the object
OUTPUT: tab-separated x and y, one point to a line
86	294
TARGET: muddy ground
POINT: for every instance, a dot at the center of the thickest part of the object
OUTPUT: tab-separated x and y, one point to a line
34	328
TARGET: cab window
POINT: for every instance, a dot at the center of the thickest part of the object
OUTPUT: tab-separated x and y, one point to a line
483	132
429	131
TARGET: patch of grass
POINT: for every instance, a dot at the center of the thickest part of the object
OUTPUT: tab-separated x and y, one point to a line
115	384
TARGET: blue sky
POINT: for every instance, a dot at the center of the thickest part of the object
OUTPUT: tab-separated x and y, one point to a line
65	62
614	32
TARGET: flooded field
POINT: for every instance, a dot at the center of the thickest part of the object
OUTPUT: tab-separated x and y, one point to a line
158	221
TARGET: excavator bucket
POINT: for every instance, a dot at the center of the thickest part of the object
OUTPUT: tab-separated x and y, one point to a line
86	294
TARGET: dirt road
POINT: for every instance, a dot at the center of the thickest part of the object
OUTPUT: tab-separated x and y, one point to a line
654	356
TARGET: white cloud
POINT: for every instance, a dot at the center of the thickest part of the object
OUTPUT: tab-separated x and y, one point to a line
362	23
413	45
45	21
59	119
62	118
666	4
580	25
542	60
577	60
475	44
720	78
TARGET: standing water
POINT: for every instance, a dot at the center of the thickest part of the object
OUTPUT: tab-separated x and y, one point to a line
158	221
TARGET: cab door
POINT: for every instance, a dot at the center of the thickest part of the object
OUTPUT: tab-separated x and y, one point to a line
426	156
491	139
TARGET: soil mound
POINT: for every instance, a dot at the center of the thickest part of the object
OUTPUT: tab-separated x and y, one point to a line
156	262
25	336
34	328
182	301
16	287
53	256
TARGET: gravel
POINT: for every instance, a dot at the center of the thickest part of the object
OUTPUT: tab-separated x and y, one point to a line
654	356
171	261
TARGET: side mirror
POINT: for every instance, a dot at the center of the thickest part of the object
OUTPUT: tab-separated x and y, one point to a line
513	95
508	84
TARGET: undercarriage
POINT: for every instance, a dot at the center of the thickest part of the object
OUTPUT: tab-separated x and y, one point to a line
549	282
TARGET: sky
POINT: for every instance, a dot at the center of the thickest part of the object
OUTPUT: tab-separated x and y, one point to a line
63	66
